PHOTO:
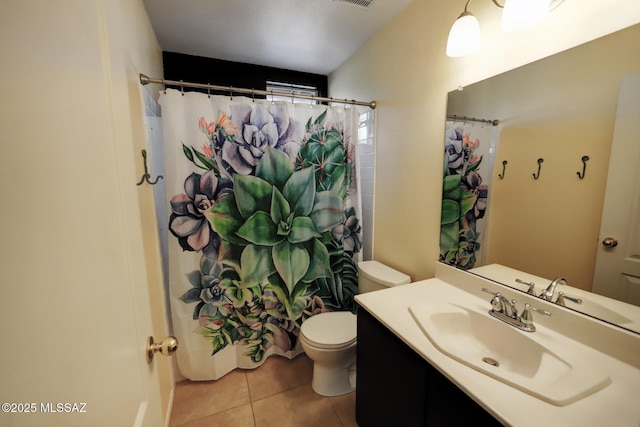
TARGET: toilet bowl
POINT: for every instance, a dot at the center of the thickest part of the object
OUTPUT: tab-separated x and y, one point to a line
329	339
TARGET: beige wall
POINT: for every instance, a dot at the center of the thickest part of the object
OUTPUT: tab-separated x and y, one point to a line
404	68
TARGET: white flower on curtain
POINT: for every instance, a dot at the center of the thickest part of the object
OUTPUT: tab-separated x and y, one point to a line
266	220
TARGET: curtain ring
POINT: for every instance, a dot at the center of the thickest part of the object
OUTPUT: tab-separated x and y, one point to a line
231	93
181	88
272	101
253	96
208	90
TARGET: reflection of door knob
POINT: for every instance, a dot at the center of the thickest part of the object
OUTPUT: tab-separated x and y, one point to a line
609	242
167	347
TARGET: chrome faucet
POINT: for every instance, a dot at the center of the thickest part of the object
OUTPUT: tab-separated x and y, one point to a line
505	310
547	294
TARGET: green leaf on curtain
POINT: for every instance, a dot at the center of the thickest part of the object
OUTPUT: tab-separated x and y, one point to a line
333	140
300	190
451	187
208	162
274	167
192	295
320	119
450	212
327	211
338	181
294	303
256	265
449	236
252	194
224	218
320	266
187	152
291	262
194	278
229	256
302	230
259	229
475	165
468	202
280	209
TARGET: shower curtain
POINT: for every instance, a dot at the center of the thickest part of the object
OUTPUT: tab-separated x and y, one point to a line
264	224
468	163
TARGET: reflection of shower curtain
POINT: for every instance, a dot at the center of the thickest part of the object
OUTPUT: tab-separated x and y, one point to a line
265	214
469	151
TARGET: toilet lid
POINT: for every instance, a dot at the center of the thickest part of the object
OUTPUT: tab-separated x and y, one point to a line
336	328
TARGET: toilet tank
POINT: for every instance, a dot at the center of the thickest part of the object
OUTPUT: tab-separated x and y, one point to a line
373	276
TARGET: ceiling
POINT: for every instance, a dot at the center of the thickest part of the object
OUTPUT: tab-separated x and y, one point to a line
314	36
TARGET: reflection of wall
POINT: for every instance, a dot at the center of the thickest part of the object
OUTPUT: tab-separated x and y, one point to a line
404	67
560	109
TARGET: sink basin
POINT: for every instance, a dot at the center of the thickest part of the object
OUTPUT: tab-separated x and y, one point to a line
553	370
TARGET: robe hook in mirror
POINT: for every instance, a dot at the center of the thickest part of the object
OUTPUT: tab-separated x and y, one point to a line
537	174
584	167
504	166
147	176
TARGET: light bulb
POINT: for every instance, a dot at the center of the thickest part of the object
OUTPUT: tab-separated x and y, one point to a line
464	37
521	14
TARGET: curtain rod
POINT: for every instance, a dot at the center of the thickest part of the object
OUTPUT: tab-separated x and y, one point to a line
473	119
145	80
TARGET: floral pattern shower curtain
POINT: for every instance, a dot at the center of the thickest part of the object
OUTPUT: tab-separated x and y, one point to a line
468	158
264	211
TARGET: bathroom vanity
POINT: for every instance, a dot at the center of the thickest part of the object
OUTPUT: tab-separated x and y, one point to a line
407	377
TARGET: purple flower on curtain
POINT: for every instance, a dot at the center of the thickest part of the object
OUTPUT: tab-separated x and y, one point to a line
473	184
349	232
453	148
259	127
187	221
207	291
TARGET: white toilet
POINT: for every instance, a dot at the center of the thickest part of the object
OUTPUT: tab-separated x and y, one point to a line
329	339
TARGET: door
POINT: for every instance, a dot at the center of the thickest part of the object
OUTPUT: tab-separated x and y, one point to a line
74	303
617	270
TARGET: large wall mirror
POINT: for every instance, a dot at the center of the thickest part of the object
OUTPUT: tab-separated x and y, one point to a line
559	118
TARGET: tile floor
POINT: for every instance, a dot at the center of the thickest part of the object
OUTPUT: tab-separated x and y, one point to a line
277	394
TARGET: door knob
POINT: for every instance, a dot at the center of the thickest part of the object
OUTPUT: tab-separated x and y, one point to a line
609	242
166	347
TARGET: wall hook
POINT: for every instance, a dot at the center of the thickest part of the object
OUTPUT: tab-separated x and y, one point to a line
146	176
584	167
537	174
504	164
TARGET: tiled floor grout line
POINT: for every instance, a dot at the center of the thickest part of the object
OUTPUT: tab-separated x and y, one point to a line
253	412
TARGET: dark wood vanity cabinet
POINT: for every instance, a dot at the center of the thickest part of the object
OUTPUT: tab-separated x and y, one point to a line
397	387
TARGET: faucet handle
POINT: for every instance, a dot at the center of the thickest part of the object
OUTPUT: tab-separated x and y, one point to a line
526	316
531	290
489	291
497	302
562	297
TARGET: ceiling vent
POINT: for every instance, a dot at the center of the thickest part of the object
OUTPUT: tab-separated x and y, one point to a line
359	3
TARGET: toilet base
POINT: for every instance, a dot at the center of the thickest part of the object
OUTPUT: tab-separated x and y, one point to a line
329	381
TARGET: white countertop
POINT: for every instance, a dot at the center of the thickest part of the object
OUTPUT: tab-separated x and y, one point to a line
617	405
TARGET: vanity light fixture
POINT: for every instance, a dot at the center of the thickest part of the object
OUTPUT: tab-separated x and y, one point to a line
464	37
